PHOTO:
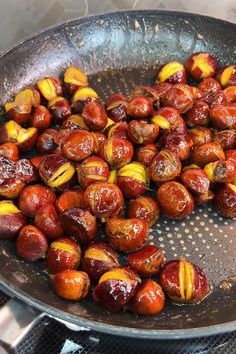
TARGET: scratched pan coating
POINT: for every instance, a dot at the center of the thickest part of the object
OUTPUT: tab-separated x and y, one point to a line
119	50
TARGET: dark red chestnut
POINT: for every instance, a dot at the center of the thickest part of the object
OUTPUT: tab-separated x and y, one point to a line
180	97
59	108
172	72
206	153
78	145
140	107
224	116
82	96
142	132
9	150
198	114
144	208
146	153
165	166
147	261
201	65
12	220
227	76
94	116
41	118
31	244
180	144
93	169
225	200
71	198
199	135
47	221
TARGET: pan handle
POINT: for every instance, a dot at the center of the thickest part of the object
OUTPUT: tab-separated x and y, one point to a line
16	320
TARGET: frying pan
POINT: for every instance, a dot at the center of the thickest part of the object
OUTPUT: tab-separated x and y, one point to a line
120	50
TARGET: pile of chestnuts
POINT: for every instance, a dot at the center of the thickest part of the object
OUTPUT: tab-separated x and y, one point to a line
88	159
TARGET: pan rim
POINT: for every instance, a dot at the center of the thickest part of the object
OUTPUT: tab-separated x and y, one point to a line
97	326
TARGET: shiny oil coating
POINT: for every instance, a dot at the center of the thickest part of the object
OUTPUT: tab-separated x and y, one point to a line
147	38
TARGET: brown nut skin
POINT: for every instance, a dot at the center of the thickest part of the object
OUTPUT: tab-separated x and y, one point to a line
175	201
145	154
209	89
75	122
78	145
119	129
149	299
225	200
60	109
183	282
195	179
94	116
227	76
144	208
132	179
115	288
27	139
47	141
168	119
221	171
218	99
98	259
226	138
74	78
25	171
63	254
41	118
201	65
230	94
180	144
116	108
224	116
81	97
231	155
71	284
9	132
9	150
180	97
164	167
99	139
32	198
115	97
140	107
149	92
12	220
199	135
172	72
104	200
71	198
47	221
142	132
57	172
198	114
80	224
93	169
161	89
31	244
116	152
206	153
49	87
147	261
126	235
10	184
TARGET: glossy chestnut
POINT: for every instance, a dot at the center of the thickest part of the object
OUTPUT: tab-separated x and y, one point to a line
49	87
46	219
145	154
75	122
172	72
224	116
164	167
180	144
206	153
227	76
142	132
81	97
41	118
71	198
201	65
139	107
74	78
126	235
147	261
175	201
226	138
59	107
31	244
198	114
63	254
71	284
225	200
144	208
221	171
168	119
9	150
180	97
93	169
47	141
12	220
78	145
199	135
94	116
116	107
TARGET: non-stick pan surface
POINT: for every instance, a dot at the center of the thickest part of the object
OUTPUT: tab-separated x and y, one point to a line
120	50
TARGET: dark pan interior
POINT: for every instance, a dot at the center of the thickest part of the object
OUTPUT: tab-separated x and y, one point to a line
120	50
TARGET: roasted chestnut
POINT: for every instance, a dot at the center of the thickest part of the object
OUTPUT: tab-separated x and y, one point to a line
224	116
78	145
209	89
198	114
116	151
146	153
201	65
147	261
71	284
57	172
175	201
10	184
227	76
98	259
9	132
93	169
71	198
25	171
119	129
74	78
59	108
168	119
126	234
221	171
206	153
161	89
225	200
199	135
132	179
183	281
94	116
115	288
172	72
49	87
9	150
180	97
75	122
63	254
116	107
149	92
80	224
140	106
12	220
31	244
230	94
180	144
82	96
104	199
32	198
144	208
46	220
47	141
164	167
99	139
142	132
41	118
149	299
